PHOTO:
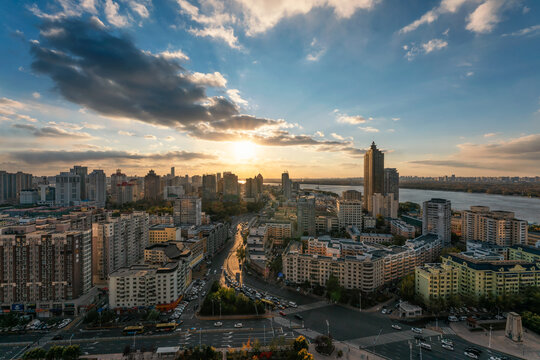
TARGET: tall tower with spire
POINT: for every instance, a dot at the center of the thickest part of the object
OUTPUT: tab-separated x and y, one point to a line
373	175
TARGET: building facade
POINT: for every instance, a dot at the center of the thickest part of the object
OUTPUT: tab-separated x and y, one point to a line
187	210
349	213
373	175
391	182
305	215
497	227
436	218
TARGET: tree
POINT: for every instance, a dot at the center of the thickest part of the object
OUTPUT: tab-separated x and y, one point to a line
406	287
241	254
71	352
300	343
55	352
36	353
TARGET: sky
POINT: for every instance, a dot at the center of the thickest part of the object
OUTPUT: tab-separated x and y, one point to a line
443	87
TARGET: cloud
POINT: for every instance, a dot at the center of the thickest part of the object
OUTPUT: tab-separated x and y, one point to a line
413	50
150	137
169	138
337	137
112	15
350	119
469	74
481	20
36	95
139	8
234	95
519	154
396	119
485	17
125	133
528	31
490	135
319	134
10	111
217	19
434	44
52	132
219	33
317	51
93	126
214	79
52	156
177	54
368	129
108	74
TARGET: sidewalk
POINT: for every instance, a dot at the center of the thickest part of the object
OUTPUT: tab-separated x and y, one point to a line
528	349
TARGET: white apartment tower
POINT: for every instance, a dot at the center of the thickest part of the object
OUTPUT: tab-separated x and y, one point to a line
436	219
349	213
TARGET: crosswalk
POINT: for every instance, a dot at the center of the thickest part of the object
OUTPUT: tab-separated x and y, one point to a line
389	338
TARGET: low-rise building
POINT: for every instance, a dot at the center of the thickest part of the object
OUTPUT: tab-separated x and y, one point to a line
376	238
163	233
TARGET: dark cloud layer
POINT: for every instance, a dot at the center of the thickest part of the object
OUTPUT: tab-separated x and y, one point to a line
51	131
107	73
41	157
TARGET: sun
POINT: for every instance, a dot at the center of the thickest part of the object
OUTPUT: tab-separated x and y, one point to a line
245	150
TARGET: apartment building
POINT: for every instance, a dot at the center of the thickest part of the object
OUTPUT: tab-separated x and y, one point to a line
376	238
147	285
349	212
118	241
44	265
384	205
436	215
466	275
401	228
187	210
216	235
163	233
497	227
327	223
357	265
279	231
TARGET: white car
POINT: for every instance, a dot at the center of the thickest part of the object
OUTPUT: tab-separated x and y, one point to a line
447	342
494	358
238	325
396	327
447	347
416	330
218	323
470	355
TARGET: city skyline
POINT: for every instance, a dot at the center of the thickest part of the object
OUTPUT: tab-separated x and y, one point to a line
443	87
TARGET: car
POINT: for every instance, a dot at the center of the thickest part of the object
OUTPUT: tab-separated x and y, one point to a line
218	323
447	342
474	350
57	337
298	316
282	313
470	354
462	318
419	337
448	347
383	311
453	318
238	325
424	345
416	330
494	358
396	327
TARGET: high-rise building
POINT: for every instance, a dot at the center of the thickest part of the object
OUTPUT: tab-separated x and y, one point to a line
97	187
209	185
259	180
436	219
349	213
117	179
391	182
118	242
187	210
46	266
351	195
373	175
68	189
497	227
305	215
286	185
172	171
230	187
11	186
385	205
152	186
173	192
82	172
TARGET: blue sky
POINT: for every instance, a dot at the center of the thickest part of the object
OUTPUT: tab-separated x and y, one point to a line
444	87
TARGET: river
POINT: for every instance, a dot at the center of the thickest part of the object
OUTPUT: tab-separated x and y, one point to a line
524	208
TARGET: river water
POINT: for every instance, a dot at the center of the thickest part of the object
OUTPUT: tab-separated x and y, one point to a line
524	208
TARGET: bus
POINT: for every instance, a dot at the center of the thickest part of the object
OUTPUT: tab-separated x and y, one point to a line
268	303
164	327
132	330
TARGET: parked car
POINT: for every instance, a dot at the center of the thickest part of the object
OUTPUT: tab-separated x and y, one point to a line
453	318
238	325
218	323
396	327
416	330
282	313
